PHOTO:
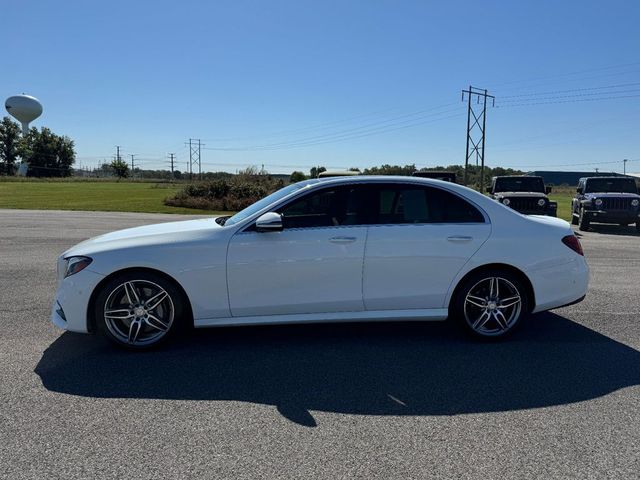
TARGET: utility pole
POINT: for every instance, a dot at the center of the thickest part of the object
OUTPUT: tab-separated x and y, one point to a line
172	155
133	175
476	130
624	166
117	152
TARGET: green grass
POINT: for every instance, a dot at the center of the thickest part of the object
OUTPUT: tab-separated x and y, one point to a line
111	196
563	196
127	196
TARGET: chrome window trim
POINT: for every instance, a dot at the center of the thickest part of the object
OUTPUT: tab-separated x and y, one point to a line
339	181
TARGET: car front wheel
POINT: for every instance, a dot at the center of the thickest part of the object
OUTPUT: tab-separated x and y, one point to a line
139	310
491	304
583	222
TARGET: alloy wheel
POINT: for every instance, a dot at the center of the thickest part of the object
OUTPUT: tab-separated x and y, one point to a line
139	312
492	306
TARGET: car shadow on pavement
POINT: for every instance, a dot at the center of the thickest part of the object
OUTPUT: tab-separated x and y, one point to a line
367	369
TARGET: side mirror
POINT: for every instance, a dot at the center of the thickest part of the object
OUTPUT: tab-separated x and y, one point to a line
488	189
269	222
547	189
579	190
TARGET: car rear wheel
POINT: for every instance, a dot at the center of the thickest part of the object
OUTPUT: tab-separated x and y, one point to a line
139	310
491	304
638	227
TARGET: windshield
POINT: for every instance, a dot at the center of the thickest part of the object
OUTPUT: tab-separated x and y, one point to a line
260	204
617	185
519	184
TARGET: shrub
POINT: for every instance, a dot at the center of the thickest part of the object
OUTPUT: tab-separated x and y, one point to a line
231	194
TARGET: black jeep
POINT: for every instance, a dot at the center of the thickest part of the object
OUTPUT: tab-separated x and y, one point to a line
606	200
524	194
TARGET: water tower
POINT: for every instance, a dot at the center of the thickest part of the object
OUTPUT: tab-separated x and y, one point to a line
23	108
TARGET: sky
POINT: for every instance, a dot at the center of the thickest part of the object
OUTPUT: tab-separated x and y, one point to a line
290	84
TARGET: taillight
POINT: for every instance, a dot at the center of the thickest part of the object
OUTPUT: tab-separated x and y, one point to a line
573	243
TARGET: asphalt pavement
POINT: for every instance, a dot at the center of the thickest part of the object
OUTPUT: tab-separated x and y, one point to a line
559	399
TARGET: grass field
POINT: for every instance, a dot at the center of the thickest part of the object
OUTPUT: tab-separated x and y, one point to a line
563	197
132	196
92	196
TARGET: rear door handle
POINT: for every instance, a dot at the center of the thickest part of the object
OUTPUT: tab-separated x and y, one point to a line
459	238
342	239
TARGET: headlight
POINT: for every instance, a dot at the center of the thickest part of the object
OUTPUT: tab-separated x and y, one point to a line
541	202
635	202
76	264
598	202
506	201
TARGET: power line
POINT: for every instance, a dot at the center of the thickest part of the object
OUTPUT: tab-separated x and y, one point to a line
577	164
345	135
573	74
566	101
621	85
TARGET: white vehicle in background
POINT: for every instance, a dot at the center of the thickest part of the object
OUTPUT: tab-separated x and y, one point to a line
355	248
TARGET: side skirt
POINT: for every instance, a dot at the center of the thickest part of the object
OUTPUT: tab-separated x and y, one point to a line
437	314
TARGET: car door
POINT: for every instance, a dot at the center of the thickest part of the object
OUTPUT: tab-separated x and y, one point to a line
314	265
422	238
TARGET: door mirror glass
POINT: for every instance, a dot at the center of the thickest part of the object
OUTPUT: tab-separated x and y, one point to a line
547	189
488	189
579	189
269	222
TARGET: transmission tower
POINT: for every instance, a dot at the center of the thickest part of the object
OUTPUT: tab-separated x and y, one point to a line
194	156
476	109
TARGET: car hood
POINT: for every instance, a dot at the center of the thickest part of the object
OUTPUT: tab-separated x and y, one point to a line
521	194
147	235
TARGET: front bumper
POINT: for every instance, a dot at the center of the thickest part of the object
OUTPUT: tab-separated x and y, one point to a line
613	216
71	303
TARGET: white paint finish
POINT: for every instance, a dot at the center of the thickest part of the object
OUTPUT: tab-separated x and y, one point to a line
436	314
73	295
412	266
301	275
296	271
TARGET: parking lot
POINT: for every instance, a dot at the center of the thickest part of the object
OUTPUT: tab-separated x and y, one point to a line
560	398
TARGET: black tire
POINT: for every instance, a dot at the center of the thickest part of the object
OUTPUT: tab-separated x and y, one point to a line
638	227
134	313
574	219
583	221
470	315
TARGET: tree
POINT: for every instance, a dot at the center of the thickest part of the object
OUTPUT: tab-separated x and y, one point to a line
315	171
120	168
297	177
407	170
9	143
48	154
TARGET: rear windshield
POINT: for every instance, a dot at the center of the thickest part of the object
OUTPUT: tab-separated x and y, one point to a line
519	184
617	185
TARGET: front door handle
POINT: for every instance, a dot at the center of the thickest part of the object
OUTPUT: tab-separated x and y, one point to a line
459	238
342	239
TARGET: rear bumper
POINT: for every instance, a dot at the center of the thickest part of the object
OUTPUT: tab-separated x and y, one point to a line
560	285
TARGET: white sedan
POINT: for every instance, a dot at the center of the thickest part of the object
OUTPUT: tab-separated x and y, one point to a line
337	249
